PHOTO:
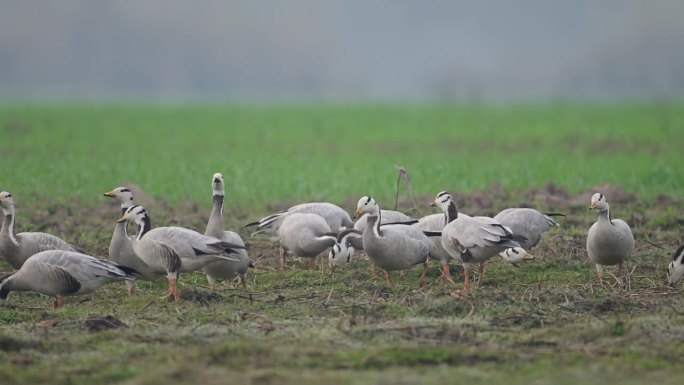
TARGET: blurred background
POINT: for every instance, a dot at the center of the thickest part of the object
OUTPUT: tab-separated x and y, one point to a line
345	51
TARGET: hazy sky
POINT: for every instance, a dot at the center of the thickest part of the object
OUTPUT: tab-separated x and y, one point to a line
354	50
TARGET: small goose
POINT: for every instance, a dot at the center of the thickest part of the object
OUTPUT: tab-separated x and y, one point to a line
609	241
121	248
17	248
62	273
341	253
335	216
304	235
516	256
675	271
528	223
437	222
475	240
171	250
224	269
392	248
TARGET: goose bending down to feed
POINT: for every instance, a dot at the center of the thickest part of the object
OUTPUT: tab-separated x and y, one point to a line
224	269
171	250
335	216
121	248
437	222
61	273
304	235
609	241
17	248
516	256
395	247
675	270
340	255
528	223
476	240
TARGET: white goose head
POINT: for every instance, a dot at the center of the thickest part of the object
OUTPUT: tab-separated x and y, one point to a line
123	195
217	184
442	200
599	202
675	271
6	200
516	255
136	214
340	255
368	206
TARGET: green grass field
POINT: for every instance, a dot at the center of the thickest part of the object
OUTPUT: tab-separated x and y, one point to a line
549	321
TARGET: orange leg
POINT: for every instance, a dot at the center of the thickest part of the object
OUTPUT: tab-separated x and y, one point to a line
130	291
466	287
312	264
59	301
446	274
373	272
388	279
283	264
480	274
173	290
421	281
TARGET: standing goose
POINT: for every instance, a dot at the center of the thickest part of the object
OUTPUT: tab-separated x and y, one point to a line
475	240
121	247
336	218
527	222
224	269
62	273
437	222
387	217
17	248
171	250
609	241
675	271
392	248
304	235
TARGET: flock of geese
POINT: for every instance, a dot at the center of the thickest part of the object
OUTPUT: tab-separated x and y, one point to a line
393	241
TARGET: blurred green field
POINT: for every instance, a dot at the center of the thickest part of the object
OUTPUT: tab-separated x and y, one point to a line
303	153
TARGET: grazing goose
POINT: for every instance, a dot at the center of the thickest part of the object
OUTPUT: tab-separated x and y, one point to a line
609	241
527	222
436	222
171	250
335	216
475	240
675	271
392	248
17	248
341	253
224	269
121	247
516	256
62	273
304	235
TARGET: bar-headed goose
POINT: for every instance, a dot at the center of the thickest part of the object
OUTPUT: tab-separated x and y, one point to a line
387	216
62	273
675	270
341	253
437	222
224	269
171	250
336	218
121	247
394	247
17	248
516	256
475	240
609	241
527	222
304	235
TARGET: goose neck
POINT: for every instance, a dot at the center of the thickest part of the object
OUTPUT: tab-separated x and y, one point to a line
7	229
451	213
144	227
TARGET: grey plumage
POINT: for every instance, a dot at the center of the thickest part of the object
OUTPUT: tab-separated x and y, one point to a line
17	248
393	247
336	218
171	250
305	235
387	216
121	247
609	241
224	269
62	273
527	222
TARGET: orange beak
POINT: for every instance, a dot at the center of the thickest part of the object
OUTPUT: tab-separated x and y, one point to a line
433	204
122	219
110	194
359	212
